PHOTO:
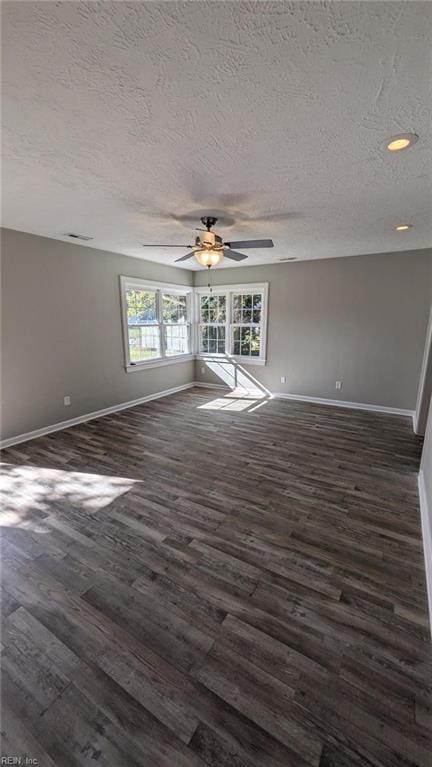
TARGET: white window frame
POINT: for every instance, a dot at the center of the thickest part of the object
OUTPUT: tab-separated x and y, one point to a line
159	288
213	294
193	297
229	291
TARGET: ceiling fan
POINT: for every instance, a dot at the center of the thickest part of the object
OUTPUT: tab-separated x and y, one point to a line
210	249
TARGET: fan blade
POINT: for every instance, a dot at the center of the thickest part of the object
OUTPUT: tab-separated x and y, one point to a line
251	244
185	258
164	246
234	255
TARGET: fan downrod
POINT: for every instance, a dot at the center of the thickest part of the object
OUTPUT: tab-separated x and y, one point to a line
208	221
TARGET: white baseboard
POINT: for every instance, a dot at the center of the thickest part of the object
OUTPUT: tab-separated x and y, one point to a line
317	400
204	385
166	392
427	539
346	403
90	416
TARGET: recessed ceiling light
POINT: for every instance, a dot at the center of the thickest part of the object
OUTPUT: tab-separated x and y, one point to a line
403	227
401	141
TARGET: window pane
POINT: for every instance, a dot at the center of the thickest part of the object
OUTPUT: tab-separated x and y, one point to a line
246	308
212	339
221	309
174	308
255	342
237	308
236	339
245	341
143	343
205	309
257	305
204	338
221	340
247	311
213	308
141	306
176	339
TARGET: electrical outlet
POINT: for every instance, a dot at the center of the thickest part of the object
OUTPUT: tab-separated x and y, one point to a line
338	385
283	379
66	401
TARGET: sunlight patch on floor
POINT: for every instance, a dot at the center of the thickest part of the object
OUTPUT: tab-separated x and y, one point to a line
237	401
34	488
226	403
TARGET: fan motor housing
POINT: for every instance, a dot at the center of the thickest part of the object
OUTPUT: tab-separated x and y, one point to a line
209	241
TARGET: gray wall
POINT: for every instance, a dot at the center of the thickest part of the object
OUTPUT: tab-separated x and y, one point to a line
360	320
61	332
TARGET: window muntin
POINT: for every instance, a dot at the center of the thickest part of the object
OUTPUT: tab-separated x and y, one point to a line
212	329
162	324
157	323
246	341
213	309
246	324
141	306
144	343
175	328
213	338
143	331
174	308
232	322
247	308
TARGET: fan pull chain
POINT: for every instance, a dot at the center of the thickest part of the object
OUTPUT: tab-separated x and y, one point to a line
209	282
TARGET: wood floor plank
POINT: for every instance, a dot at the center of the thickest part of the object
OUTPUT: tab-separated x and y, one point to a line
146	735
172	597
260	697
17	740
162	628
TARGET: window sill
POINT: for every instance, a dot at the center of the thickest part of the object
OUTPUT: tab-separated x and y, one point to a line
158	363
231	358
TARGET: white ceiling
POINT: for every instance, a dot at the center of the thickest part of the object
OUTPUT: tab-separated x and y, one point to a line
127	121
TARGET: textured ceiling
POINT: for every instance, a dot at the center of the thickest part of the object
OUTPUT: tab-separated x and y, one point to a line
126	121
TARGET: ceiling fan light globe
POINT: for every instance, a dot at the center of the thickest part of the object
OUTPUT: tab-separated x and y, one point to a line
208	257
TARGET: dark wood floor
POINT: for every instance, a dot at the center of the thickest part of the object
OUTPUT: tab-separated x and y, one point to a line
190	583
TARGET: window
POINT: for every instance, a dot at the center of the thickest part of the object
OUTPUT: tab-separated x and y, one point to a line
233	322
156	322
175	327
246	324
164	324
143	328
212	324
